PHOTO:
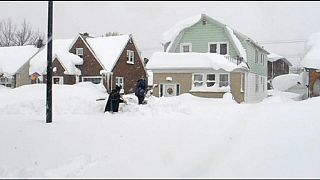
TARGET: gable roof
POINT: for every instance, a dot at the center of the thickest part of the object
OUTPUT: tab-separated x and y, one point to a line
272	57
174	61
60	50
171	35
311	58
13	57
108	49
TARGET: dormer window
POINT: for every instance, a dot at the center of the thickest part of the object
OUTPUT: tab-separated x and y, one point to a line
130	56
79	52
204	22
185	47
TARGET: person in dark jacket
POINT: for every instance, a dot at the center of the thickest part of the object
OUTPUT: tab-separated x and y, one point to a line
114	100
141	90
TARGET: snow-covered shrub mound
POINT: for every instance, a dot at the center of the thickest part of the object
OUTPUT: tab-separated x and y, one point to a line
227	97
67	99
286	81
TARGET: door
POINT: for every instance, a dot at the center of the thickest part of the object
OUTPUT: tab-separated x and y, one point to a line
57	80
169	90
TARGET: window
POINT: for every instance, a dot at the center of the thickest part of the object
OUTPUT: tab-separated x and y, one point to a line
257	83
241	82
79	52
178	89
161	90
130	55
120	81
263	83
57	80
224	80
218	47
211	80
213	48
185	47
223	49
256	57
197	80
93	79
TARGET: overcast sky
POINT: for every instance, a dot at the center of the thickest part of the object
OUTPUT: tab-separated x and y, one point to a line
147	21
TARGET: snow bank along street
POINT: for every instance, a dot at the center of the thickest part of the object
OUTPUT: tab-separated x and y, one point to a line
178	137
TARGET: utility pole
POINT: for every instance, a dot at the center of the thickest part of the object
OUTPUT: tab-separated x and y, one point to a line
49	64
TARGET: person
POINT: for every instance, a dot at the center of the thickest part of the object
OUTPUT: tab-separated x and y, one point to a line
141	90
113	100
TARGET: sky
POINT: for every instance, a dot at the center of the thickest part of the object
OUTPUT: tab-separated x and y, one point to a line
264	22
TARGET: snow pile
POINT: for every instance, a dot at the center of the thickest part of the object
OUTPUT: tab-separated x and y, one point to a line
31	99
108	49
163	60
285	81
214	88
12	58
60	50
237	43
173	32
311	58
176	137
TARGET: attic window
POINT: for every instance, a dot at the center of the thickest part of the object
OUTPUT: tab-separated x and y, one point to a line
79	52
204	22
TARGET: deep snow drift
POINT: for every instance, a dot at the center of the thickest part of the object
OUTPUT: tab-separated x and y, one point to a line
177	137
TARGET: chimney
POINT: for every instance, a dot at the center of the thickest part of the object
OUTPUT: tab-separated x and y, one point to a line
146	60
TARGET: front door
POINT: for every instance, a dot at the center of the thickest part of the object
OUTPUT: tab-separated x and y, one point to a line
57	80
169	90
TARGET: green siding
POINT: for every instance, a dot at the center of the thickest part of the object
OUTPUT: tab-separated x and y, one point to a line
200	35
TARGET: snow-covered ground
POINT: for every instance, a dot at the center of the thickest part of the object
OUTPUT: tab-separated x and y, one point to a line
176	137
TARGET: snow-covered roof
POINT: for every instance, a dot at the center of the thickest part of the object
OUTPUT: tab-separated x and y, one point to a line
60	50
108	49
171	35
165	61
12	58
272	57
311	58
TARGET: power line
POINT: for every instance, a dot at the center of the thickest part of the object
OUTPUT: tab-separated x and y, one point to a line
283	41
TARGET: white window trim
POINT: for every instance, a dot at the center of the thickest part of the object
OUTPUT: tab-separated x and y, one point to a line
91	77
60	79
117	81
228	78
77	51
241	82
208	81
203	79
257	78
129	53
185	44
218	46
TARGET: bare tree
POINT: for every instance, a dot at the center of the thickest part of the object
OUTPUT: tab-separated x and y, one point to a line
7	33
111	34
10	35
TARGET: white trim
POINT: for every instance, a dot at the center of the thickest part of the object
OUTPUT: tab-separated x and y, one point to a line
91	77
77	52
228	78
218	46
241	82
117	83
129	55
60	79
193	81
185	44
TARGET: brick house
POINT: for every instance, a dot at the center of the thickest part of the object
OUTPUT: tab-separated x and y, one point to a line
111	60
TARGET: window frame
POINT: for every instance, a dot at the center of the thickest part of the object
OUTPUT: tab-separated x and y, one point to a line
193	81
118	78
211	81
185	44
228	75
218	47
77	52
130	56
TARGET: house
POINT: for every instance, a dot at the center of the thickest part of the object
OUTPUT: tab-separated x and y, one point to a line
11	60
201	74
202	34
277	65
311	64
110	60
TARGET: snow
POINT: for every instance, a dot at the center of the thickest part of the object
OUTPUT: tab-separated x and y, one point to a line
173	32
237	43
311	58
108	49
163	60
176	137
150	77
274	57
12	58
285	81
60	50
214	88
